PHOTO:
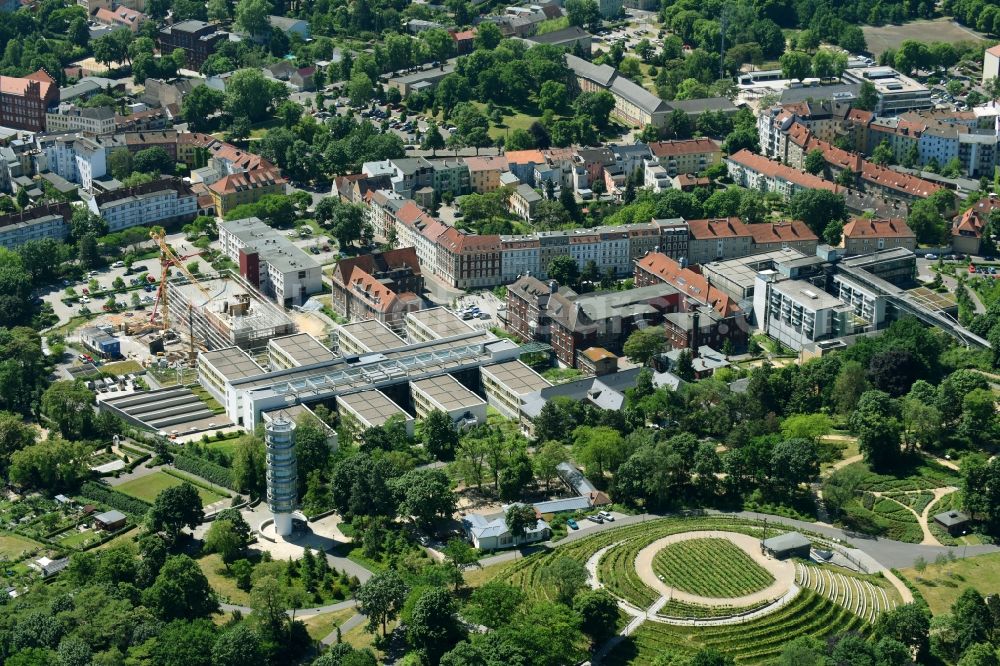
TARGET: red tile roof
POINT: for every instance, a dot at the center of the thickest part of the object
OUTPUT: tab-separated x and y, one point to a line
781	232
683	147
975	218
246	181
727	227
900	182
863	227
773	169
689	281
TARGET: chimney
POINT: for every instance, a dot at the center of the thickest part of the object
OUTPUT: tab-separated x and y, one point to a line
553	286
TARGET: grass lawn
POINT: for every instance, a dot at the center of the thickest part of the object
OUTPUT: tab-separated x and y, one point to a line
76	539
477	576
227	446
224	586
322	625
127	537
122	367
12	545
941	584
149	486
359	638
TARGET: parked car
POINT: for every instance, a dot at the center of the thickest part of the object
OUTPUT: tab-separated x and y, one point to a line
572	524
118	264
595	519
606	515
930	256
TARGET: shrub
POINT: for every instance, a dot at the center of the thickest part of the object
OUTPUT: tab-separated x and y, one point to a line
209	471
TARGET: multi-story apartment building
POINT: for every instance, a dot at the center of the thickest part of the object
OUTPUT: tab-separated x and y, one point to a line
713	240
686	156
36	223
70	118
864	235
159	202
24	101
451	176
524	201
197	38
519	255
270	262
243	188
770	236
468	261
759	173
484	173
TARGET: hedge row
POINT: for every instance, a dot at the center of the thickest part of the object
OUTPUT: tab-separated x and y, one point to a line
209	471
114	499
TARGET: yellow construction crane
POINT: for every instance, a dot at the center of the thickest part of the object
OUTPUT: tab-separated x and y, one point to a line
167	259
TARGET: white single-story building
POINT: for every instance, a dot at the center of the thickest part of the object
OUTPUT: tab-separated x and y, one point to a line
490	532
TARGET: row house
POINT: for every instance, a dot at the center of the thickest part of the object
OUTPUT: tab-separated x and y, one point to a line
120	17
382	207
864	235
159	202
70	118
795	234
451	176
718	239
519	255
48	221
409	221
484	172
756	172
245	188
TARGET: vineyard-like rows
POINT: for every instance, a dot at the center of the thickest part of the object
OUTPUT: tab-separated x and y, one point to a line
710	568
754	642
859	596
680	609
620	578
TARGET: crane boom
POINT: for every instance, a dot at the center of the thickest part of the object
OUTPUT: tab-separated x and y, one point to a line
167	259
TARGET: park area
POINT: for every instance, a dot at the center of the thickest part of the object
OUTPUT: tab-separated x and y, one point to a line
881	38
678	581
13	546
149	486
941	582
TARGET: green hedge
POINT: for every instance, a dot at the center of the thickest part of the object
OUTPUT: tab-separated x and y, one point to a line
209	471
114	499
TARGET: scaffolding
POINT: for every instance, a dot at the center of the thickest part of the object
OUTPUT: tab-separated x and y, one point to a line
224	310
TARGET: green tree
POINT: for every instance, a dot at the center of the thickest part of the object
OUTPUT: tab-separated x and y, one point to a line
599	613
877	426
433	625
567	576
645	344
495	604
381	598
175	508
867	97
53	465
817	208
795	65
181	591
980	654
432	140
249	94
883	153
223	538
439	435
120	160
564	270
815	162
488	36
238	646
547	459
520	518
70	406
251	17
249	466
927	223
426	495
201	104
552	96
973	620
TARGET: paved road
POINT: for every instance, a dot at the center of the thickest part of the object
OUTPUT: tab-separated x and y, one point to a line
299	612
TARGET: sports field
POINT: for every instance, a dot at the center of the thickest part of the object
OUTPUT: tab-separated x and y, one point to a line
884	37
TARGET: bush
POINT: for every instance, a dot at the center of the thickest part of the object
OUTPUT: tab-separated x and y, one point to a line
114	499
209	471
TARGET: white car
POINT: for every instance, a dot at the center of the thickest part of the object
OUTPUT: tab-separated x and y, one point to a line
606	515
118	264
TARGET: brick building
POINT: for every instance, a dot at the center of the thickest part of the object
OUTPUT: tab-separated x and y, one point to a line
24	101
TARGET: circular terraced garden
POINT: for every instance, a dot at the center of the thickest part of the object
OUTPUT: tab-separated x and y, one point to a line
708	572
710	567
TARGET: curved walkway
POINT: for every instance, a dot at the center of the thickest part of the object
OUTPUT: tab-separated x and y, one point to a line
783	572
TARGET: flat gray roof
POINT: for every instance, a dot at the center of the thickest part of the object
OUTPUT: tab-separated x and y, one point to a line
373	335
441	322
232	363
517	377
787	541
372	407
743	271
807	294
303	348
447	393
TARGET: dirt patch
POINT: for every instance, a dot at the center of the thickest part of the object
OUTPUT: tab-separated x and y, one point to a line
883	38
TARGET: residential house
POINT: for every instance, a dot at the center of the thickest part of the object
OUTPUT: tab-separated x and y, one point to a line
290	26
634	105
686	156
246	187
35	223
163	201
712	240
468	261
759	173
120	17
70	118
769	236
524	201
569	38
863	235
383	286
465	41
197	38
484	172
489	533
967	230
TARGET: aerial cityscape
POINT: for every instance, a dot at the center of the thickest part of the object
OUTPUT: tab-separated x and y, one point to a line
482	333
